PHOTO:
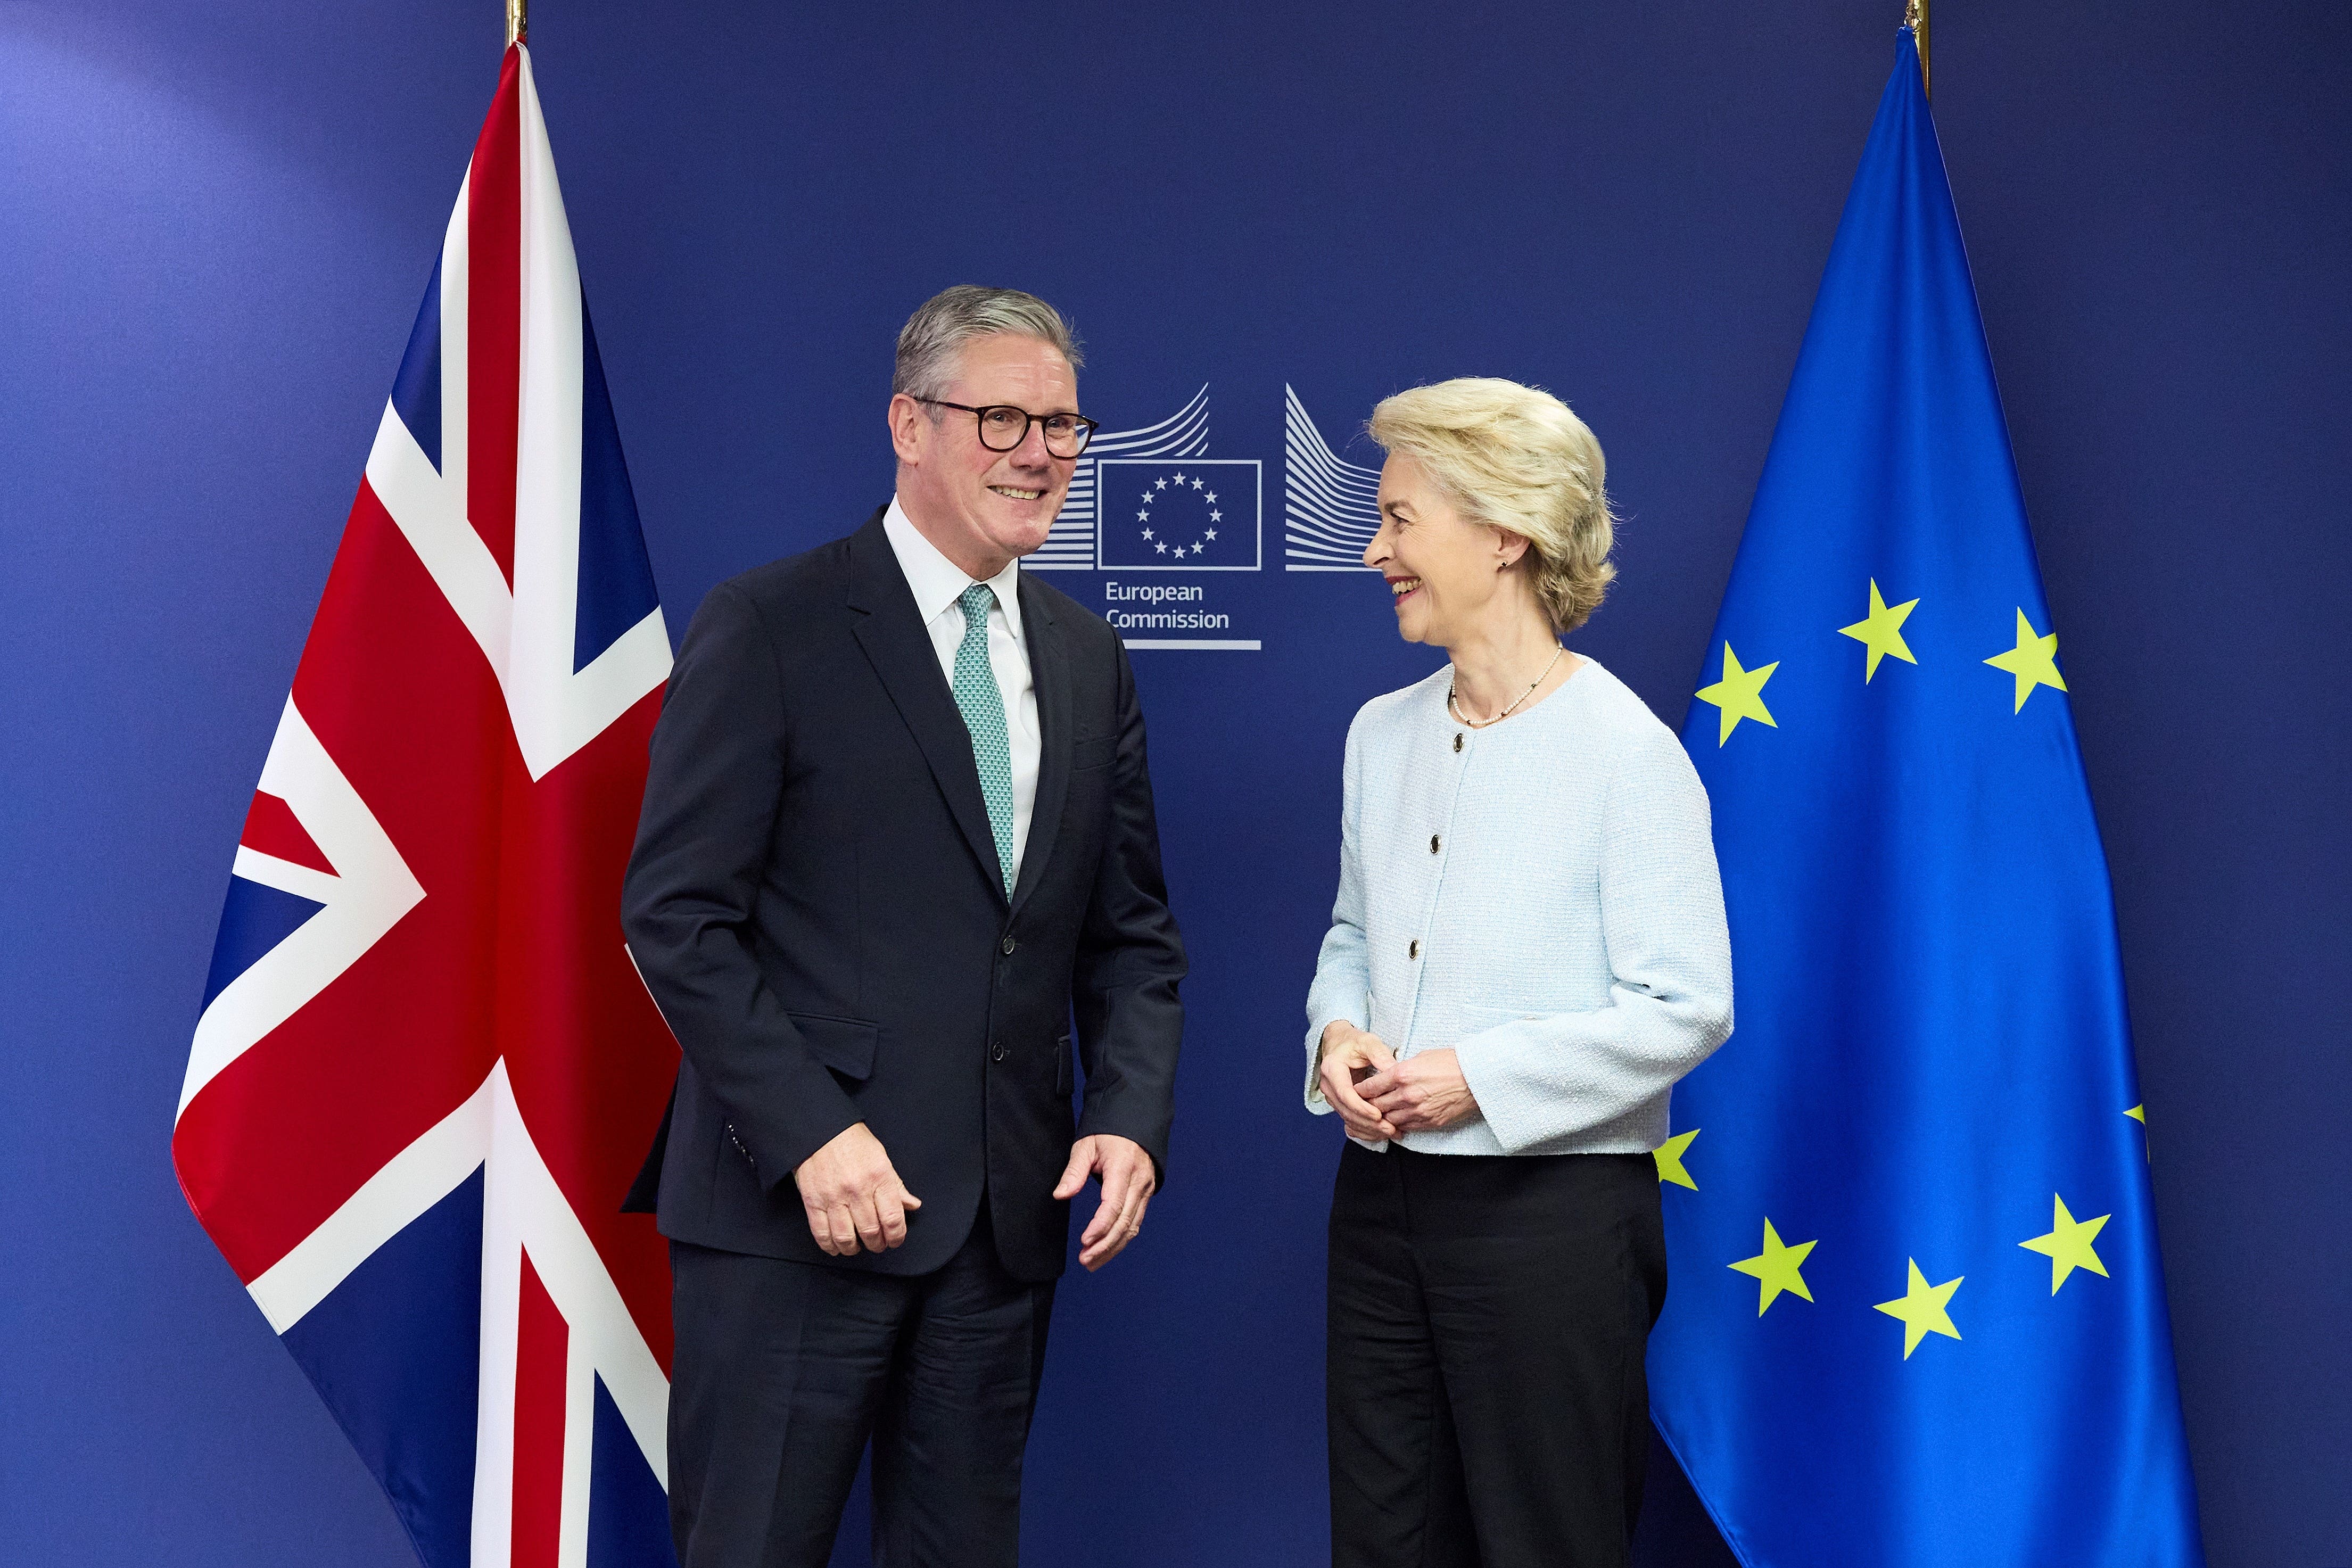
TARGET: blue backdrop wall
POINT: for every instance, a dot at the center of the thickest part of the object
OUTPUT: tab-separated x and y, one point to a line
218	221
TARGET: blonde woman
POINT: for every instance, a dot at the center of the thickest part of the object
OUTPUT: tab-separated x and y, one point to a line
1528	950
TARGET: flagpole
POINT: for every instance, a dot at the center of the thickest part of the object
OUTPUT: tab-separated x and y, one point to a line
1915	16
519	25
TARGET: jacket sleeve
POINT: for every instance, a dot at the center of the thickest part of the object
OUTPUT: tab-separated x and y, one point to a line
1669	970
1129	960
713	793
1342	984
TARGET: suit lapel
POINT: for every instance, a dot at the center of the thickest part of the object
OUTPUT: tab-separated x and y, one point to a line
896	643
1049	671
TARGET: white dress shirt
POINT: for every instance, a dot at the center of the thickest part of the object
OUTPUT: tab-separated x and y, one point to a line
1540	897
937	583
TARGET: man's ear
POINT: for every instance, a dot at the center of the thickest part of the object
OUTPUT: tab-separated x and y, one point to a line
1509	548
905	416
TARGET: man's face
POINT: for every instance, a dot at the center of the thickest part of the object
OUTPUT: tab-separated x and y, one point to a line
983	508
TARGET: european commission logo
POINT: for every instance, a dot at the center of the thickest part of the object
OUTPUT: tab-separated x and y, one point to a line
1191	514
1149	514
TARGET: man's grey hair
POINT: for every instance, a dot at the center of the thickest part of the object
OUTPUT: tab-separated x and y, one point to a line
930	346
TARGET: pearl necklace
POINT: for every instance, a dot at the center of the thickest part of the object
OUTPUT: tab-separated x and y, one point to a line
1530	691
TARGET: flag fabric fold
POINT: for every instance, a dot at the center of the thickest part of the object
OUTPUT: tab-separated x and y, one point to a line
425	1066
1917	1314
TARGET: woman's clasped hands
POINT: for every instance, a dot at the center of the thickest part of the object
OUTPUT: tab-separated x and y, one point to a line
1379	1097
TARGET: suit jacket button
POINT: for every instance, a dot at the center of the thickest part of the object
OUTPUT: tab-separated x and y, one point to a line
1433	843
1006	946
1412	948
996	1052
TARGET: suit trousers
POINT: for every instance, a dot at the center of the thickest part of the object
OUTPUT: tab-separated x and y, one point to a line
1488	1317
785	1370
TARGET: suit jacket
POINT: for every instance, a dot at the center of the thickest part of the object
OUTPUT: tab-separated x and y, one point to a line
814	902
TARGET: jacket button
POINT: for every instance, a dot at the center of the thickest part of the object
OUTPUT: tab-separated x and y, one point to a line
1457	740
1412	948
1433	843
1006	946
996	1052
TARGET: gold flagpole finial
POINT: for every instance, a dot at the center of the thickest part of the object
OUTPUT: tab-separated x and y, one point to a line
519	24
1915	16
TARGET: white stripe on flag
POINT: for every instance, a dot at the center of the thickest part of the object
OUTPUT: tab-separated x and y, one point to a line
388	1203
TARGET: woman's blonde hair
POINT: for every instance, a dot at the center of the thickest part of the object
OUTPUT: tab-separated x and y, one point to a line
1515	458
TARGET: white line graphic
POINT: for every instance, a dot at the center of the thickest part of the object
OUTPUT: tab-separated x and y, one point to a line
1330	508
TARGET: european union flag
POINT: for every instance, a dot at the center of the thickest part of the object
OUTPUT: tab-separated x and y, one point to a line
1917	1315
1189	514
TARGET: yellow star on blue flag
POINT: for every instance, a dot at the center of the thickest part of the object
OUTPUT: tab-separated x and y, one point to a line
1881	632
2033	661
1779	1268
1738	694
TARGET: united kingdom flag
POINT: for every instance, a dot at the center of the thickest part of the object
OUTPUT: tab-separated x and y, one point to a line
426	1066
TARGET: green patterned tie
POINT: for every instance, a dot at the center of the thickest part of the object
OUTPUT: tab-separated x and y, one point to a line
982	704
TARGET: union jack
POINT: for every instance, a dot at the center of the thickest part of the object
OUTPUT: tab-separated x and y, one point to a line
426	1069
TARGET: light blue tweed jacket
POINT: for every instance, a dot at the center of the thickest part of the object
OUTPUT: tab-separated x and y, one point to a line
1541	897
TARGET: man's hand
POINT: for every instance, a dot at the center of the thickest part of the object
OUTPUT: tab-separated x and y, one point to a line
1128	1184
1351	1055
853	1194
1422	1094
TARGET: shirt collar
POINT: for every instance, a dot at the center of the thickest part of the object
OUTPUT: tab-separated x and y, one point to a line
938	582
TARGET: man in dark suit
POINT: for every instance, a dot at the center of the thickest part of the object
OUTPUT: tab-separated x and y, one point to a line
898	839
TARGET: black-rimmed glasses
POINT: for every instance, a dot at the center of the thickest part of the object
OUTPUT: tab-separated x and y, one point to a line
1004	427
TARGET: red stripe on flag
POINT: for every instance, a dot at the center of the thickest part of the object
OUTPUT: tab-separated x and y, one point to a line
542	1341
272	829
591	1059
494	318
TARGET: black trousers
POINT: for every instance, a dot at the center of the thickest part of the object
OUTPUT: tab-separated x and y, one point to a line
1488	1316
785	1370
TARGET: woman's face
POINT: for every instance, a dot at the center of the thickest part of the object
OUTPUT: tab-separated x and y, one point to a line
1446	572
